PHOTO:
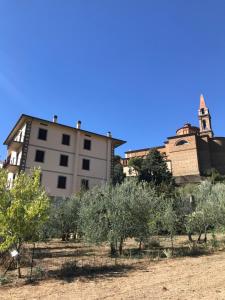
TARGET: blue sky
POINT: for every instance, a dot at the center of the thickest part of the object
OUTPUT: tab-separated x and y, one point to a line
135	67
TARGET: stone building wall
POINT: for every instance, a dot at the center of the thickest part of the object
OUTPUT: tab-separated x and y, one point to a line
204	154
144	152
184	157
217	150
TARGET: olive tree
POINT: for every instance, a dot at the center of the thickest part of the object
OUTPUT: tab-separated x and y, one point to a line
112	214
93	214
170	221
209	210
63	217
133	206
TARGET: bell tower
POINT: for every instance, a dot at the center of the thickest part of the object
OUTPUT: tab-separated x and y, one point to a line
204	119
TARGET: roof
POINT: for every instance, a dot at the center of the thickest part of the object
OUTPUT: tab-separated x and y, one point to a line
202	102
145	149
24	117
182	135
188	125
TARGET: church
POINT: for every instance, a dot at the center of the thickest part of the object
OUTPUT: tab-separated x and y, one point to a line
190	154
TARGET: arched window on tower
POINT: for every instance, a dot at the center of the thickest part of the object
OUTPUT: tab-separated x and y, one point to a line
202	111
204	124
181	142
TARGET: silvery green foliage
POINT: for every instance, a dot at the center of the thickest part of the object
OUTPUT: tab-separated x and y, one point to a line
209	212
218	196
63	217
169	220
94	214
112	214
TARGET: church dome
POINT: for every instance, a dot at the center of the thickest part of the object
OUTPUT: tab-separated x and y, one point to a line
187	129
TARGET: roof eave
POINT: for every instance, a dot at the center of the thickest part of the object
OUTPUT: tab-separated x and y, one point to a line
182	135
145	149
18	124
23	117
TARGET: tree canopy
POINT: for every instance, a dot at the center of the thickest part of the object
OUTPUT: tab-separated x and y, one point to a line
152	169
112	214
23	210
118	174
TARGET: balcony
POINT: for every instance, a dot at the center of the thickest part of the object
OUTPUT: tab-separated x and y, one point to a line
17	142
11	164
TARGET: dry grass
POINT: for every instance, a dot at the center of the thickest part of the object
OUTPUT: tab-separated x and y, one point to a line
79	271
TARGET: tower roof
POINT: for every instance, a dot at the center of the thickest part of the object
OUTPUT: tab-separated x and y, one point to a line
202	102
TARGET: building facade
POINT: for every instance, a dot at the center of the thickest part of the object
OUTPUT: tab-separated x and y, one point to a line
192	152
70	158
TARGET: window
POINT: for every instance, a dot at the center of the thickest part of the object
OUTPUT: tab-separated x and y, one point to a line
182	142
61	182
66	139
86	164
84	184
64	160
202	111
87	144
39	156
204	124
42	134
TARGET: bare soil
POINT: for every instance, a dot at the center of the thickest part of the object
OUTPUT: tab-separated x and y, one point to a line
77	271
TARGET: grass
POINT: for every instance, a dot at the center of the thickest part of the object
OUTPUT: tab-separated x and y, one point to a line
69	261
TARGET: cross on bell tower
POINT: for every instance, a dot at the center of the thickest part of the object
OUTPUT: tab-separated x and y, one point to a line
204	119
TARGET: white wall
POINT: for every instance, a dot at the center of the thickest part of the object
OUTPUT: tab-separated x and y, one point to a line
92	182
20	135
99	157
129	171
50	180
98	146
54	136
51	160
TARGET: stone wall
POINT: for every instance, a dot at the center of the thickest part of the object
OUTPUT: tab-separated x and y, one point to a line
184	157
204	154
190	156
217	150
144	152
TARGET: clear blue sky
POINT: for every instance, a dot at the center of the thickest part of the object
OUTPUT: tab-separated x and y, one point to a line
135	67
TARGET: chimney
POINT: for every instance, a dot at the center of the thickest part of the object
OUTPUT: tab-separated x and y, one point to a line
109	134
78	124
55	119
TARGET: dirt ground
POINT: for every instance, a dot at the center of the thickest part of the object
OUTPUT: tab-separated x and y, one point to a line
201	277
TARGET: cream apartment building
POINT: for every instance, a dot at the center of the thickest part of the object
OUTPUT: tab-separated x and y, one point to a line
70	158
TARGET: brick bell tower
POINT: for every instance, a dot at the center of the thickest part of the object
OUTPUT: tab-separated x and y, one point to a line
204	119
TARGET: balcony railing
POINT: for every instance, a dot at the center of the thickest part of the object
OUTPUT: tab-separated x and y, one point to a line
11	161
16	143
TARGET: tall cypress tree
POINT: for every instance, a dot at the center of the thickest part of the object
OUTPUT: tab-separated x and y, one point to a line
153	169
